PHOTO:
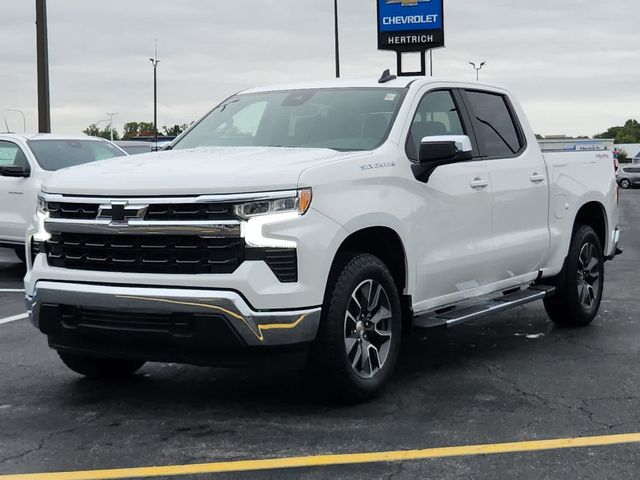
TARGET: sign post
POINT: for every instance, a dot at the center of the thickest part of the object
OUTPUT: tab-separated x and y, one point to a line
410	26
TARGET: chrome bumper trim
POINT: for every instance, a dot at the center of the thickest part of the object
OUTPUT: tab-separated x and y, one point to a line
256	328
218	198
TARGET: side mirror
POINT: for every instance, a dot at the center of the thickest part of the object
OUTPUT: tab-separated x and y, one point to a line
445	149
14	171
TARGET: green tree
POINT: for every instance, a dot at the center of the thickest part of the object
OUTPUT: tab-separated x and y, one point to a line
94	131
623	156
175	130
131	129
628	133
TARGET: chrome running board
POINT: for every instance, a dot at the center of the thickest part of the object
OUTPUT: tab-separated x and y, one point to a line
466	313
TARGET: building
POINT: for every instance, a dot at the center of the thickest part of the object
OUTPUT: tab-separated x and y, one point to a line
561	142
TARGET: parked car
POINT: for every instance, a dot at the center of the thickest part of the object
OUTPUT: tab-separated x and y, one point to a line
321	222
628	176
134	147
25	161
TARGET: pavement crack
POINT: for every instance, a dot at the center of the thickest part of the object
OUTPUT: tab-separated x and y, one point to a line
40	445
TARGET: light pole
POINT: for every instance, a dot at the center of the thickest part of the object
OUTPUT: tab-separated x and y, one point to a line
111	115
337	37
24	120
44	107
155	62
477	69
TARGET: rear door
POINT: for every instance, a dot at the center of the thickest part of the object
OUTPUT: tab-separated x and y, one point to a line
17	199
520	185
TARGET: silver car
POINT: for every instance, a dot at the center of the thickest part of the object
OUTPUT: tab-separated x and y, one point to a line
628	176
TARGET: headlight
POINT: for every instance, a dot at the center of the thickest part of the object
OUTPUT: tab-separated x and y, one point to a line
41	234
298	203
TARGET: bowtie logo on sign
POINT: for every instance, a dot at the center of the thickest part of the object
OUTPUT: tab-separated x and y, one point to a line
407	3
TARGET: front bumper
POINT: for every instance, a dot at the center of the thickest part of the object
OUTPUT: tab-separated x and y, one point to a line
162	324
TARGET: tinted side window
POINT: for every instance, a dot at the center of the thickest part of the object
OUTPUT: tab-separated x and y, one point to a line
11	155
437	114
494	125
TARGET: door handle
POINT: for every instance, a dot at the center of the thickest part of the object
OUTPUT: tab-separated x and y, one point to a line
479	183
537	178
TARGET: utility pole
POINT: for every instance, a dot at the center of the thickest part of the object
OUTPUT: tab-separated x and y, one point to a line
155	62
111	115
337	38
44	106
431	63
24	120
477	69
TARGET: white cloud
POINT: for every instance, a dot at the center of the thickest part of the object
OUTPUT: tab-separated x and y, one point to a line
571	63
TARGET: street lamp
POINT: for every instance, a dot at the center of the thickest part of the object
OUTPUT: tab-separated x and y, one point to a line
155	62
337	39
477	69
111	115
24	120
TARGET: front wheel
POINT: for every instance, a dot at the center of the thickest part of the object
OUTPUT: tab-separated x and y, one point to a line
577	300
359	338
624	183
100	368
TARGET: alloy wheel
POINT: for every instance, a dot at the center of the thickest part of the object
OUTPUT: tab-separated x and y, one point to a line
367	328
588	275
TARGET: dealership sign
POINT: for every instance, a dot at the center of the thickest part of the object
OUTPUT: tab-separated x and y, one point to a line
410	25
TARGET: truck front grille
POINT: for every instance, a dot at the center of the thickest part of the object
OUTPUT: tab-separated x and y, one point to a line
73	211
145	253
184	212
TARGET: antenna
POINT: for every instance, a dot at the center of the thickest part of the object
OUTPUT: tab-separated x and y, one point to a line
386	77
7	125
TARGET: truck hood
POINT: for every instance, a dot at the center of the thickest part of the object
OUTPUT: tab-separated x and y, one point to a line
192	172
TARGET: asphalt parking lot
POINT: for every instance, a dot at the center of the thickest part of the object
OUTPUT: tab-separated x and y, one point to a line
512	378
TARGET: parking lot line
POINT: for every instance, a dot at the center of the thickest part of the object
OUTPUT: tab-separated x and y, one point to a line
331	460
11	290
14	318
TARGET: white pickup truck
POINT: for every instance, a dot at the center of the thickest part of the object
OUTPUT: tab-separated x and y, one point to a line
25	161
323	221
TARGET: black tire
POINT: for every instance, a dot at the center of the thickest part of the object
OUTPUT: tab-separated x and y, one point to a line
625	183
20	253
336	361
100	368
575	303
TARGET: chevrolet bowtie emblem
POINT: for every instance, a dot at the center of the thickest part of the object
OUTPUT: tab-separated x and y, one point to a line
122	212
407	3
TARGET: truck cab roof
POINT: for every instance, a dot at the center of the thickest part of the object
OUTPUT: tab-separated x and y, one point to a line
399	82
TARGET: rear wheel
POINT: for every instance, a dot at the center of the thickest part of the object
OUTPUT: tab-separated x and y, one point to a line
98	367
359	339
577	300
624	183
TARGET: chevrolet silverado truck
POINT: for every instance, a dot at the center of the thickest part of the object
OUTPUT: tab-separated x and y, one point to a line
324	222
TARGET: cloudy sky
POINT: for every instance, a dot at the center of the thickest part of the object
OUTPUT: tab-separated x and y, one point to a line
574	64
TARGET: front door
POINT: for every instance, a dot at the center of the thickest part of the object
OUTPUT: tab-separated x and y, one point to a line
17	203
452	217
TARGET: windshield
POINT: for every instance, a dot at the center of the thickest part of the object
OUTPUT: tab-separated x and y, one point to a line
340	119
56	154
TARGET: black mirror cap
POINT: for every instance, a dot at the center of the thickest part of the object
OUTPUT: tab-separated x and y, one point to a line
14	171
441	153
